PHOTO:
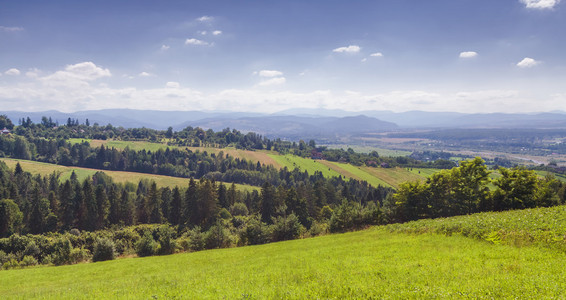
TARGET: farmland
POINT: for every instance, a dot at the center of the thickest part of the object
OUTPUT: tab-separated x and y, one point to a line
119	177
374	263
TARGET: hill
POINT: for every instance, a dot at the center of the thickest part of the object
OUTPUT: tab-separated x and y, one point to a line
368	264
119	177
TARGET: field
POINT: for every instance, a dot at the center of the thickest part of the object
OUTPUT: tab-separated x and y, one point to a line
390	177
119	177
368	264
539	226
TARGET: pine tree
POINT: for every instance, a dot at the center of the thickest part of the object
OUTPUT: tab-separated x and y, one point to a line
154	205
267	202
175	207
103	206
191	213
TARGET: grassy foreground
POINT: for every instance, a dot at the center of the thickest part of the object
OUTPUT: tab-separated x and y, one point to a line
368	264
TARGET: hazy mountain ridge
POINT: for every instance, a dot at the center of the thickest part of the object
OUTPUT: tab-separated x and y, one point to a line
301	121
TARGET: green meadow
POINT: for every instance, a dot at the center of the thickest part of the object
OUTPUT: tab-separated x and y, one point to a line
120	177
369	264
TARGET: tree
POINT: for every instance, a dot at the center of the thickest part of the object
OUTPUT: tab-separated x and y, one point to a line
175	208
5	122
154	204
267	202
191	212
103	206
10	218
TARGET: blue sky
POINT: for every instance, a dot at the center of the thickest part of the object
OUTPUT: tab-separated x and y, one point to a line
267	56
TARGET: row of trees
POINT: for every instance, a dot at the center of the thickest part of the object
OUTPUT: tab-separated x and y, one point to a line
469	188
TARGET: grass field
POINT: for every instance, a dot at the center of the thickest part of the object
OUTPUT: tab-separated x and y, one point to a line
370	264
391	177
119	177
538	226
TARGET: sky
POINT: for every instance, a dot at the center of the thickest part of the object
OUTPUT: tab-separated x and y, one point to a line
472	56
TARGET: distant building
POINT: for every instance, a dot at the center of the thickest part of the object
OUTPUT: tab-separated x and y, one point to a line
315	154
5	131
384	165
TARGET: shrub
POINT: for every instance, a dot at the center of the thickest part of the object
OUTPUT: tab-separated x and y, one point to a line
167	244
104	249
239	209
193	240
286	228
61	252
256	232
217	237
147	246
28	260
79	254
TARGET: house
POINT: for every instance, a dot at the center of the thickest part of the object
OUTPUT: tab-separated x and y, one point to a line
384	165
5	131
315	154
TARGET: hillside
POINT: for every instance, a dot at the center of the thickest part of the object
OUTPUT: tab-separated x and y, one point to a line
366	264
45	169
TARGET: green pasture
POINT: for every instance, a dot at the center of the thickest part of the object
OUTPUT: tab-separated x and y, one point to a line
370	264
119	177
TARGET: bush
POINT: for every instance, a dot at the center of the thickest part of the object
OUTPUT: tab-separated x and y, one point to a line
239	209
193	240
79	254
217	237
28	261
104	249
147	246
256	232
61	252
286	228
167	244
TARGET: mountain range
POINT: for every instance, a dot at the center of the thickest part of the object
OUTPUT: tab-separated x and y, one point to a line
306	122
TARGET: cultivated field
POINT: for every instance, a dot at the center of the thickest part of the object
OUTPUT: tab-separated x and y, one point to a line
119	177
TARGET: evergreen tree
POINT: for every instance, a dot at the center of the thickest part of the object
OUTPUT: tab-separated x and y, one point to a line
175	208
267	202
191	213
103	206
154	204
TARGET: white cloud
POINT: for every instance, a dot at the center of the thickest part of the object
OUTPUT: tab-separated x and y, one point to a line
540	4
270	73
11	29
165	47
273	81
196	42
349	49
172	85
364	59
144	74
205	19
468	54
376	54
204	32
217	32
13	72
527	62
33	73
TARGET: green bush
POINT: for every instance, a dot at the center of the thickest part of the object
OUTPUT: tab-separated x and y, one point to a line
61	251
256	232
147	246
28	261
79	255
166	239
104	249
193	240
286	228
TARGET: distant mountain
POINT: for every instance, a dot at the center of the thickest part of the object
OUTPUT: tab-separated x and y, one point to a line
294	126
295	121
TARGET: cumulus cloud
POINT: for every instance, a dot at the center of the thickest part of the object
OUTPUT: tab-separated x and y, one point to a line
527	62
13	72
217	32
165	47
196	42
376	54
540	4
144	74
270	73
205	19
33	73
348	49
468	54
